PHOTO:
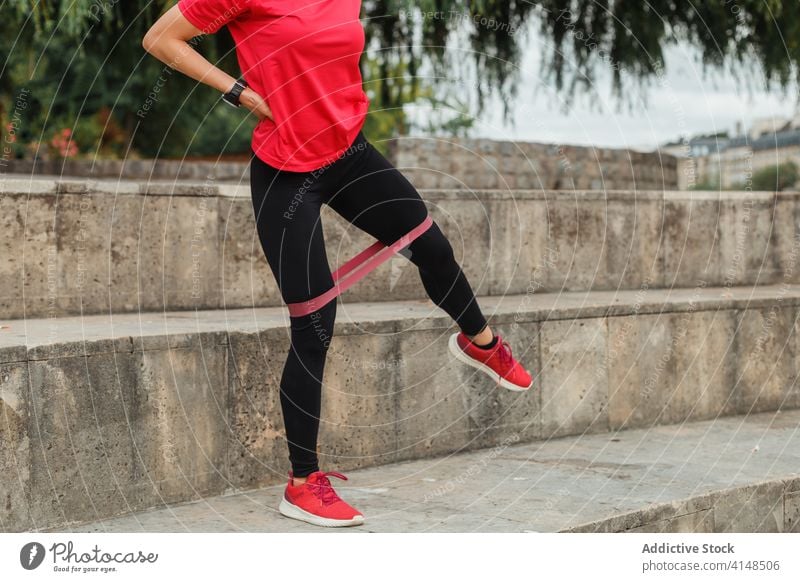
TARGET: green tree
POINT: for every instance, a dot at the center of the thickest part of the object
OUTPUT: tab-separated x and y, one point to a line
584	36
776	178
708	184
85	67
80	56
453	116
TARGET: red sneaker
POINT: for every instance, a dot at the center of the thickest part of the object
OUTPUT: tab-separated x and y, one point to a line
316	502
497	362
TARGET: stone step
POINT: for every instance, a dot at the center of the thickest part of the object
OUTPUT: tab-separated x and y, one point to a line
75	246
101	415
734	474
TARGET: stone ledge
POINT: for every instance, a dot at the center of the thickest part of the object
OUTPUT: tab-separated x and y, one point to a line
20	184
141	331
766	507
428	162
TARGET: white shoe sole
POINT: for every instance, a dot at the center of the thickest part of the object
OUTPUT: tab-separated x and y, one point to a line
289	510
460	355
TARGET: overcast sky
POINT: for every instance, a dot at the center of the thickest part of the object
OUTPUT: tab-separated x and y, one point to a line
690	102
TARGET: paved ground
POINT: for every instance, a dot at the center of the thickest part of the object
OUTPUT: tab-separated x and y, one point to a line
544	486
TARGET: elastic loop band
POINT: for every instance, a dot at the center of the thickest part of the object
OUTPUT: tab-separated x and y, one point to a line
357	268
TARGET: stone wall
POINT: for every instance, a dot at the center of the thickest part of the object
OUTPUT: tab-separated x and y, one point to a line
133	169
99	245
483	163
85	246
429	163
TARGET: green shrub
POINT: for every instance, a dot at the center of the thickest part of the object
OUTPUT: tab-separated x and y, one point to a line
776	178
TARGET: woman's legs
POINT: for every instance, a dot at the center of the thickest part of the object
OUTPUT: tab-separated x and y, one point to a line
368	191
374	196
287	207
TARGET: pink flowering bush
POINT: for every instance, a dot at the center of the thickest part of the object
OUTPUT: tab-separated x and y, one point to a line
63	145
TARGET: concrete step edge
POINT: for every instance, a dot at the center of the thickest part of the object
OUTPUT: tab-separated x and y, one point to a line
714	511
43	338
21	184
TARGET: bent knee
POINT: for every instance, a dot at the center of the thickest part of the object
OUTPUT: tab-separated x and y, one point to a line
432	249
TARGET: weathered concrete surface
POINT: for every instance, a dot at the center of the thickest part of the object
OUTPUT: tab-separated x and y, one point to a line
134	169
15	447
481	163
735	474
103	415
114	431
75	246
451	162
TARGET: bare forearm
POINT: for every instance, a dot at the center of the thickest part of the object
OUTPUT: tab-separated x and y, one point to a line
181	56
168	41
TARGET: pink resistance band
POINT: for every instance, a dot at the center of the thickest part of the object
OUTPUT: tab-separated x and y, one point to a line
357	268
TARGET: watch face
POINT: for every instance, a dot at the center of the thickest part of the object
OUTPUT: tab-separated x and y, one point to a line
225	99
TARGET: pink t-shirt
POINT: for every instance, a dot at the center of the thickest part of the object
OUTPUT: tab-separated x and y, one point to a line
302	57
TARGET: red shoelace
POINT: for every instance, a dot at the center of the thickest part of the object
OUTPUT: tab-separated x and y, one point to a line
504	349
323	489
505	353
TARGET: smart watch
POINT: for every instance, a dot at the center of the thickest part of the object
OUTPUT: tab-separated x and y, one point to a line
232	96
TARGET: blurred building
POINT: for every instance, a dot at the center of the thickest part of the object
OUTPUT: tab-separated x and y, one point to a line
730	161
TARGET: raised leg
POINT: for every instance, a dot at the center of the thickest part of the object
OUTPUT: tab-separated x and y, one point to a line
375	197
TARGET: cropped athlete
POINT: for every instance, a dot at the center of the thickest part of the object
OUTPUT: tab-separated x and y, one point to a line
300	78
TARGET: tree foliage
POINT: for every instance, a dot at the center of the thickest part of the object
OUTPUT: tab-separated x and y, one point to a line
777	178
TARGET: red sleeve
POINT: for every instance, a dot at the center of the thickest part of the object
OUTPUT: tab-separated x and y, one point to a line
211	15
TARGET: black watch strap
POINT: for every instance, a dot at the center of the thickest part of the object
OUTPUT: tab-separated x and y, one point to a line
232	96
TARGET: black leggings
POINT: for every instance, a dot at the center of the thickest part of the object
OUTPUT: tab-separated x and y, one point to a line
364	188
